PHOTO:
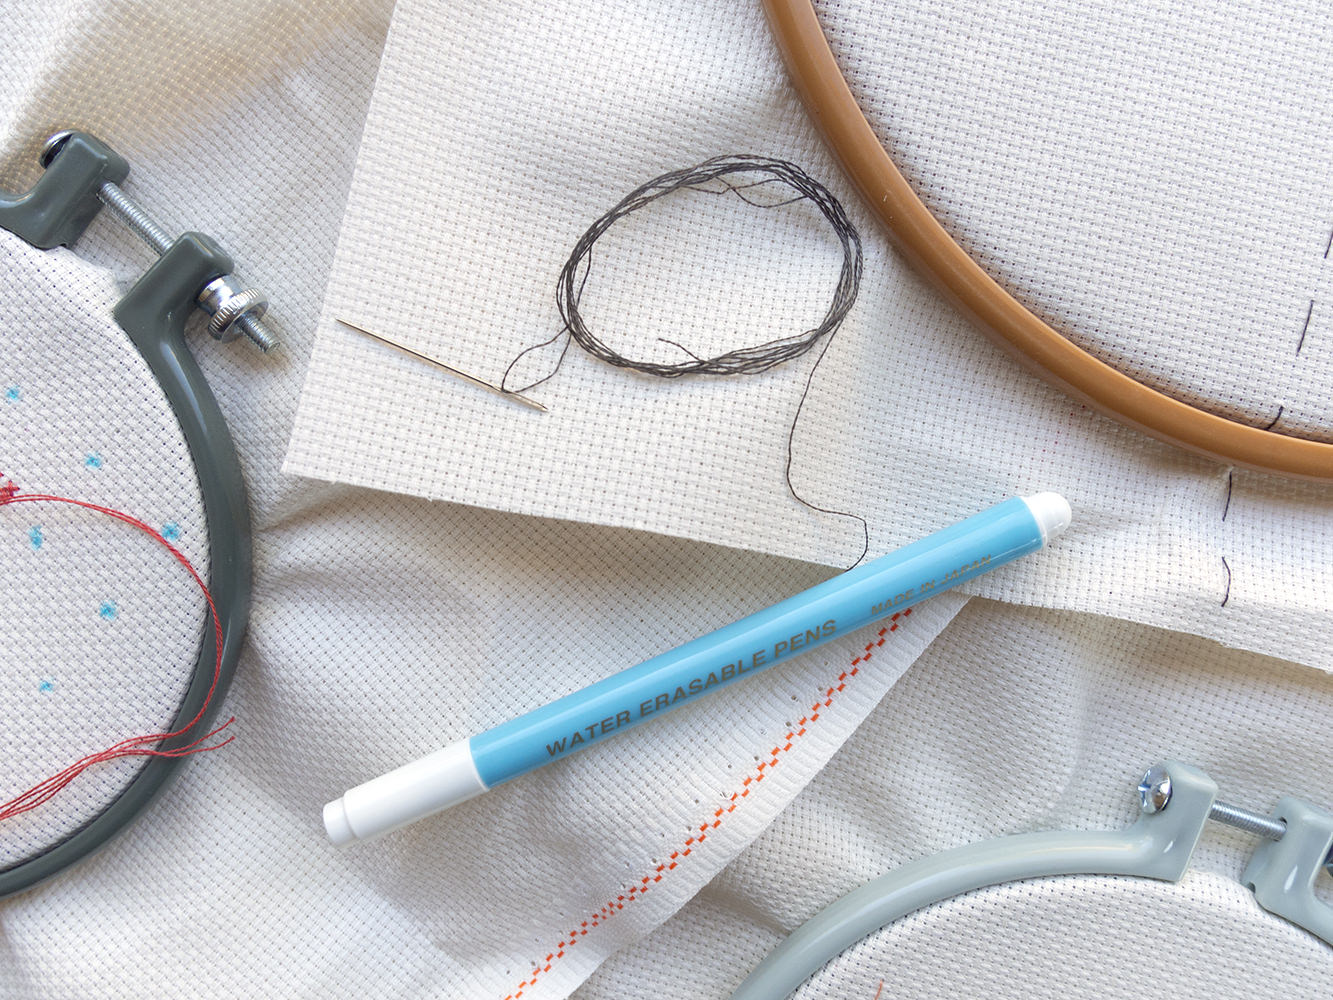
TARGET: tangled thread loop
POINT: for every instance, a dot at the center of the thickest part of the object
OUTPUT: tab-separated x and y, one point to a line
713	176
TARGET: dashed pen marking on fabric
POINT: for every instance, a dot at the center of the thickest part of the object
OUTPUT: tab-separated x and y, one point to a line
108	610
93	460
1305	328
171	531
47	685
1231	478
12	394
35	537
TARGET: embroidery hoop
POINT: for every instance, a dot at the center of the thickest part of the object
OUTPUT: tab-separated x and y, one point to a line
56	212
1158	846
1044	351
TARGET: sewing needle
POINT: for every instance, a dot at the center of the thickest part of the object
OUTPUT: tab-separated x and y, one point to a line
452	371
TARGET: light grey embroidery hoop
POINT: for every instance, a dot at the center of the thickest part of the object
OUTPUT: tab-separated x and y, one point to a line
1177	801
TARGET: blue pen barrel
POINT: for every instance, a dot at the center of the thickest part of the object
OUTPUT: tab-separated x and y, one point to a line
835	607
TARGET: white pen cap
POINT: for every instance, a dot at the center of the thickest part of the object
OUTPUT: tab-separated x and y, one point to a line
413	791
1051	512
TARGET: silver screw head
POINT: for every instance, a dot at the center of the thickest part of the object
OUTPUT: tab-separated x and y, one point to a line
1155	789
52	146
235	309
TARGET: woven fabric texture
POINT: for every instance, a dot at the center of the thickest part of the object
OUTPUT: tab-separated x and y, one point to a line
385	625
1018	720
913	419
382	626
1147	179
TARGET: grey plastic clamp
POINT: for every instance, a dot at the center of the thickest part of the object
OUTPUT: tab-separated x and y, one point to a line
153	313
1282	872
1158	845
58	208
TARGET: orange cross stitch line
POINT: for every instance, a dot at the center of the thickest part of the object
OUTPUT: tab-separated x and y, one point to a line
638	889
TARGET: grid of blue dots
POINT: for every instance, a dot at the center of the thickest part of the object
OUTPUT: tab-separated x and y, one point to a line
107	610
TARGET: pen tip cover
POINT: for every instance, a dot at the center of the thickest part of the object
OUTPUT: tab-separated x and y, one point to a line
336	825
1051	512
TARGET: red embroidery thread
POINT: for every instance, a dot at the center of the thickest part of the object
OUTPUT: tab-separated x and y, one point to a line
135	746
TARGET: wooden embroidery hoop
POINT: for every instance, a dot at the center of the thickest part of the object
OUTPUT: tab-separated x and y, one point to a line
918	234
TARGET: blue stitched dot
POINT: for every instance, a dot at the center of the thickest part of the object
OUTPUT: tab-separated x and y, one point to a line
12	394
47	686
94	460
171	531
35	536
107	610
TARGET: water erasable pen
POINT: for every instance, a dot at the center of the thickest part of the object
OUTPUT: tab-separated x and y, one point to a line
833	608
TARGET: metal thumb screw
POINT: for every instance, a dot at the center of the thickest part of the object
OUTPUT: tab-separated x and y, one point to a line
233	309
1155	795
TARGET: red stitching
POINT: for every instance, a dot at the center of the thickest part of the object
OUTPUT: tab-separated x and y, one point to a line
611	908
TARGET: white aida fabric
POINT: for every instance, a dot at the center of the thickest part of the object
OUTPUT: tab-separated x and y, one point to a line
1019	720
479	172
385	625
1116	938
383	629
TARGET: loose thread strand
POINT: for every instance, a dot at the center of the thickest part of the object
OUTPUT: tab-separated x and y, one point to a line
750	360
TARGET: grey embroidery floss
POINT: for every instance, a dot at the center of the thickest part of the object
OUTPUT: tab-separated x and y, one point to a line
745	360
717	176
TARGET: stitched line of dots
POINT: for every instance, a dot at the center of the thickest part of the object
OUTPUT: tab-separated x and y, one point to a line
637	891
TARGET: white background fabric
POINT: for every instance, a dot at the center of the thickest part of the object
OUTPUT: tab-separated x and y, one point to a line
913	419
385	625
382	627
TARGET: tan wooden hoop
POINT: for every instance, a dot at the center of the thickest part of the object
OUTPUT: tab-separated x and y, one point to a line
919	235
